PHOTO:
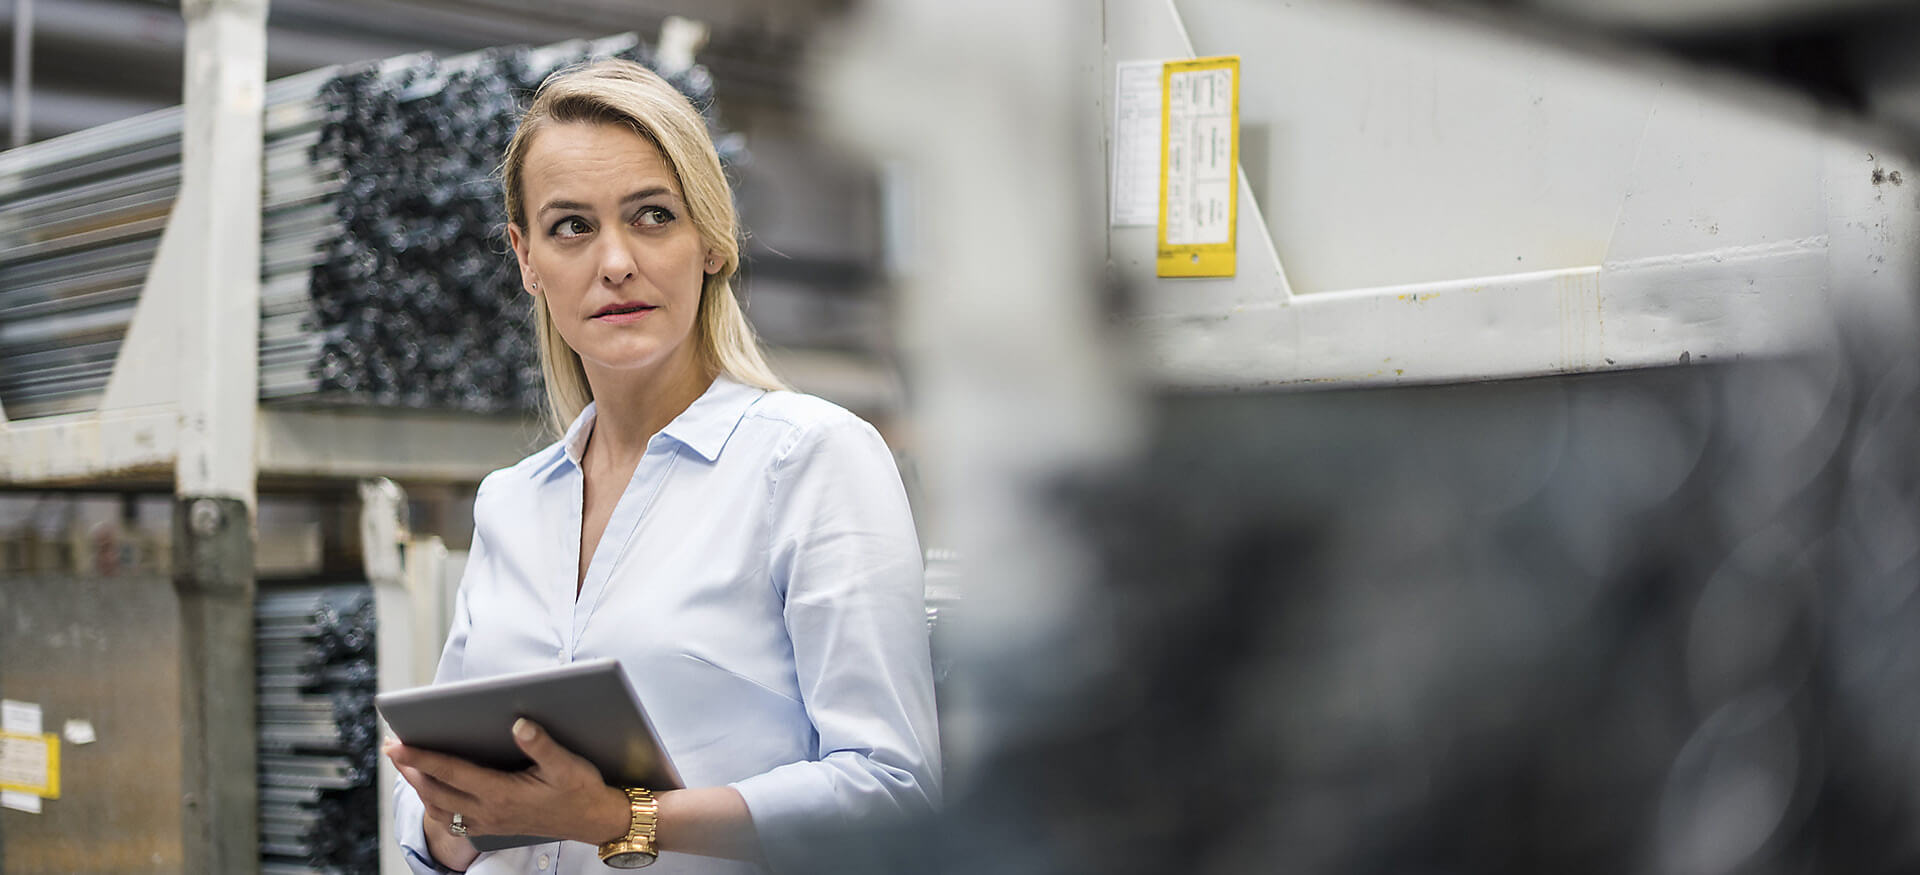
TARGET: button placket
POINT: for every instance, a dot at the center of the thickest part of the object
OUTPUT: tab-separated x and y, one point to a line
564	595
628	517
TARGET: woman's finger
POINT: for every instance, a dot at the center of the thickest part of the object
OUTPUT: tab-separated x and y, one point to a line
413	777
445	819
546	753
423	782
440	818
438	794
450	770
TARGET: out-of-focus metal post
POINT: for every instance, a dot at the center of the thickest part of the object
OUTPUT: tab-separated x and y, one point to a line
998	195
210	263
22	73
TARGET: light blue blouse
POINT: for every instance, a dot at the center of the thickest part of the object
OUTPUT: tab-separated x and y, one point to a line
761	583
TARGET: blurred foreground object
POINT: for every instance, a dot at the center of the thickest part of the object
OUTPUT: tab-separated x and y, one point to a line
1656	621
1653	620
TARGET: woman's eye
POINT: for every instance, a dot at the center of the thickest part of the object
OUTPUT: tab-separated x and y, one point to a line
653	216
572	226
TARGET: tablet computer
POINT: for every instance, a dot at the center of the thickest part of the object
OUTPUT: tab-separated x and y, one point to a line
588	707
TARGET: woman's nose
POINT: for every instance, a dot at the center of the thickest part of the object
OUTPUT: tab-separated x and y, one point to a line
616	264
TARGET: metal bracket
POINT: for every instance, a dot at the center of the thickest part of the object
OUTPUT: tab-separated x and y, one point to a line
383	529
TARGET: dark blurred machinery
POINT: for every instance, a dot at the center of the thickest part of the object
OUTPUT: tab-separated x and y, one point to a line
1654	621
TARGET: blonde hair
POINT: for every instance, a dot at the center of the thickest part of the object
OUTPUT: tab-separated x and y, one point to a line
626	93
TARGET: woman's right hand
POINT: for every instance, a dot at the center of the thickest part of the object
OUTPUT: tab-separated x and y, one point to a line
561	795
451	851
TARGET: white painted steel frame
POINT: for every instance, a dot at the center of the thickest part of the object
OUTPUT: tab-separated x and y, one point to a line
184	392
1798	208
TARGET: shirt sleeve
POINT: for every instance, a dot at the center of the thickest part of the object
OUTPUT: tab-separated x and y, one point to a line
409	813
847	562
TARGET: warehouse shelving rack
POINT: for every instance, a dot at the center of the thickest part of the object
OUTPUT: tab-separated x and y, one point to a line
164	300
181	406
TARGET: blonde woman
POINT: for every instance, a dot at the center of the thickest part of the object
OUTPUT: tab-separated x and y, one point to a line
745	551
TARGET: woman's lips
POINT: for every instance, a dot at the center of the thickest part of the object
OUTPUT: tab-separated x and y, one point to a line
622	313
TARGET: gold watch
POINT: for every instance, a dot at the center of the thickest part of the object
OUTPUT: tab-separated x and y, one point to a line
637	848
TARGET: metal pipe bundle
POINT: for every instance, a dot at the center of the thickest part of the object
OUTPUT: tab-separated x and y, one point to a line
385	277
319	738
80	222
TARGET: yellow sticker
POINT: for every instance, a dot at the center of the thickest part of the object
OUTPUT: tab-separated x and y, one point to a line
1199	167
30	764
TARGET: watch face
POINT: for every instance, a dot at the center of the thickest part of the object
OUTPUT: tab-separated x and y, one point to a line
629	860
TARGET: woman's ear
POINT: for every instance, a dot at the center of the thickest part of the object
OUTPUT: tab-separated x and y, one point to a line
713	262
518	240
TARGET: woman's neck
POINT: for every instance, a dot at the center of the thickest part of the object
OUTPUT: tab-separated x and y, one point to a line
630	408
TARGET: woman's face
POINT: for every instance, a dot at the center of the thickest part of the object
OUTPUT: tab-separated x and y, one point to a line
609	245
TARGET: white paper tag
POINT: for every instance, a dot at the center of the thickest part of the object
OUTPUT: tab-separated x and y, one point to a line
21	717
79	732
1136	143
26	802
22	761
1200	157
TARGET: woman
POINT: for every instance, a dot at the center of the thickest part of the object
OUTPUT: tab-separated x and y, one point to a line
745	551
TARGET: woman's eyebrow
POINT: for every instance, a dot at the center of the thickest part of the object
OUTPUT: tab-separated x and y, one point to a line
576	206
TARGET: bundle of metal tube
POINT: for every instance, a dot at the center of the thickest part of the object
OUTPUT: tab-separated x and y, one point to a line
80	221
384	276
319	739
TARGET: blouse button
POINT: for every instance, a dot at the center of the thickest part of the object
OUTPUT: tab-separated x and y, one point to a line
544	861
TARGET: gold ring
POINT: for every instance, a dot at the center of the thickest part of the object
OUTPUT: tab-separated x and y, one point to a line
458	826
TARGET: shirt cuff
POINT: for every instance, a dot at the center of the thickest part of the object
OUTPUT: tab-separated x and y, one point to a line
409	824
793	812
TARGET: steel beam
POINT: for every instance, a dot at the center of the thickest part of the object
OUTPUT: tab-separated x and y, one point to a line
209	267
213	576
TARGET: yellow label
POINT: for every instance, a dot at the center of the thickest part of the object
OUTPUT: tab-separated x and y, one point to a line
30	764
1199	167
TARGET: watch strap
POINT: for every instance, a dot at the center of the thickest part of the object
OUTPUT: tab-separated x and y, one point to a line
641	843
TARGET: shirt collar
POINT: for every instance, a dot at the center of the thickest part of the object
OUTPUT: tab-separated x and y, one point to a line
704	427
574	442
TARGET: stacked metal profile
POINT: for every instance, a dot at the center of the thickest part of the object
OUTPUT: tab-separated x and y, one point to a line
319	739
384	277
80	222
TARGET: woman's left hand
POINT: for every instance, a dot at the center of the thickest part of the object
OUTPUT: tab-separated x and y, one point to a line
560	796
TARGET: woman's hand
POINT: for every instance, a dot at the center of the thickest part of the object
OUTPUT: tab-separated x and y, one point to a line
561	796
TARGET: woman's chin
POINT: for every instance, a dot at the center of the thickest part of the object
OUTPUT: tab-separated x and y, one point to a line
630	361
